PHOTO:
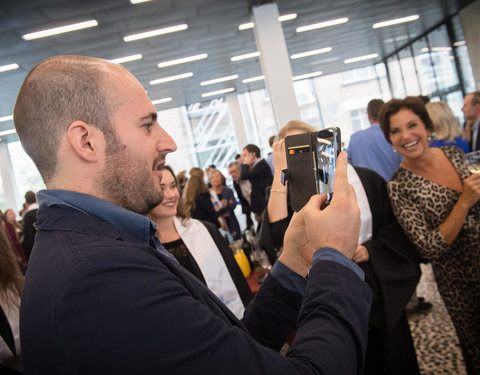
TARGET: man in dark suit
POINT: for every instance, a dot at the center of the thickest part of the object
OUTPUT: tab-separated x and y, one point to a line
471	112
243	189
257	171
103	296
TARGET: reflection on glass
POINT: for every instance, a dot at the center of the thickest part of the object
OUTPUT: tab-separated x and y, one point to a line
426	75
396	77
409	72
442	58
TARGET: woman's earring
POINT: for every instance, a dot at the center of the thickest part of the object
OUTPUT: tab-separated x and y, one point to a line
394	149
431	136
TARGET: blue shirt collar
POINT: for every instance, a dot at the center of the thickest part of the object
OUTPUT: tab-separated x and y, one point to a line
125	221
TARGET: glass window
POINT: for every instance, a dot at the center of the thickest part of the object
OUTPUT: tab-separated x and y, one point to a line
25	172
442	58
396	77
409	72
2	196
382	81
307	102
359	119
461	50
338	100
212	133
426	75
455	102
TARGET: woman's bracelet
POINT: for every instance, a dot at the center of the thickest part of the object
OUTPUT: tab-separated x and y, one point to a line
278	191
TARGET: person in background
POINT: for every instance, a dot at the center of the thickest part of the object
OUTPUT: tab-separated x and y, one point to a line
446	127
368	148
103	296
471	113
182	181
11	285
12	229
436	201
243	189
227	203
256	170
385	254
29	218
199	247
198	199
269	158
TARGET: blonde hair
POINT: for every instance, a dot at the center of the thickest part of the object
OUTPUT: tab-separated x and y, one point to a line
194	187
295	125
445	124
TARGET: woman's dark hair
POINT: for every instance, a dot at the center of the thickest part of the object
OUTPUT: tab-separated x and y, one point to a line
182	211
412	103
11	278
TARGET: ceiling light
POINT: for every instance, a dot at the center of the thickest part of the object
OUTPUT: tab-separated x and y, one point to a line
308	75
148	34
6	132
441	49
321	25
245	56
60	30
424	49
6	118
8	67
311	53
253	79
125	59
459	43
213	93
395	21
182	60
361	58
164	100
171	78
250	25
138	1
217	80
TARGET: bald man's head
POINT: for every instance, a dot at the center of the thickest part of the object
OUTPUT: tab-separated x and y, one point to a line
57	92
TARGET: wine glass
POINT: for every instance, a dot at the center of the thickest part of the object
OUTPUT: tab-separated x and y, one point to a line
473	161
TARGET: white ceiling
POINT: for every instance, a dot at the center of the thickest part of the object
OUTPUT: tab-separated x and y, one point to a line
212	29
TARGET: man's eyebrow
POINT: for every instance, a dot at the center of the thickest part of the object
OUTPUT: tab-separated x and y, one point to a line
151	116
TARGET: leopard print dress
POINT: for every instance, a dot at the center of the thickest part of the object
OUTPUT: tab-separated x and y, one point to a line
420	206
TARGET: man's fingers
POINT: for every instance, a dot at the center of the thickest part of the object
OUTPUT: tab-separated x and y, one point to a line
316	201
340	183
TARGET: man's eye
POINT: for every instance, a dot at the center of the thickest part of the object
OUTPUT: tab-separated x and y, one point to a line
148	126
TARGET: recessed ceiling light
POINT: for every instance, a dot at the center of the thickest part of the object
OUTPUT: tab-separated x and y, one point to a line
459	43
213	93
245	56
6	118
151	33
311	53
321	25
125	59
138	1
5	68
164	100
441	49
217	80
60	30
395	21
250	25
308	75
6	132
253	79
182	60
171	78
361	58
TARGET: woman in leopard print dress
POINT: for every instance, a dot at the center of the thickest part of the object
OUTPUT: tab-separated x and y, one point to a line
436	201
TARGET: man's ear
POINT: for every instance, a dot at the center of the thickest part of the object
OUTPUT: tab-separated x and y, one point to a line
86	141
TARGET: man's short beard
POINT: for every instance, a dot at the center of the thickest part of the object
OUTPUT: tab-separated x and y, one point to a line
125	180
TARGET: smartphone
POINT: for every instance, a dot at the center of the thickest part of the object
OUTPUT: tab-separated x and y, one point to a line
311	161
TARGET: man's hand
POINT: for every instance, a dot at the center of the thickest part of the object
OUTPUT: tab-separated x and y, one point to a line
337	226
249	159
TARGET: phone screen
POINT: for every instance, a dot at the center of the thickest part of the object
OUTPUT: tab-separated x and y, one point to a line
327	151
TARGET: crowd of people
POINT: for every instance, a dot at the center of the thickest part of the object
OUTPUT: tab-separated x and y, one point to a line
131	270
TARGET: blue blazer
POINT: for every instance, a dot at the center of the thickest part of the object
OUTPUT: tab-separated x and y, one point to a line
98	302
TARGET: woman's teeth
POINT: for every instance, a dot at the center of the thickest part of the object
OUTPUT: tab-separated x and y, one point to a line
411	144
